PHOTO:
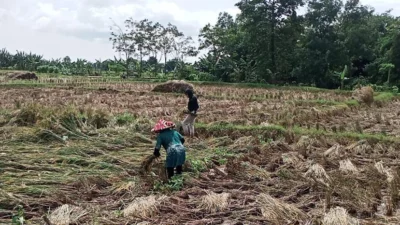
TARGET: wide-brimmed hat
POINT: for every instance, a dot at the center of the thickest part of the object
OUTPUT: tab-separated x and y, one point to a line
162	125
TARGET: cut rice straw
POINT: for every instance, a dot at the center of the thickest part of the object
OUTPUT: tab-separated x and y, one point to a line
144	207
279	212
384	171
339	216
213	202
348	167
318	172
66	214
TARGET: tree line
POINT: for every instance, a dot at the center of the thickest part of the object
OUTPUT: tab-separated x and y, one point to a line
270	42
333	44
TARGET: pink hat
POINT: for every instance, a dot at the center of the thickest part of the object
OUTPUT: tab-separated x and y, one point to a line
162	125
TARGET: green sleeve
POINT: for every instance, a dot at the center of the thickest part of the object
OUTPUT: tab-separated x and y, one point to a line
181	138
159	141
179	135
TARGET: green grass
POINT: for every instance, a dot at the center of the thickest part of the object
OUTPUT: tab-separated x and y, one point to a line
384	97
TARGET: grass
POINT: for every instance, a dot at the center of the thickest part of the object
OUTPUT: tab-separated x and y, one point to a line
384	97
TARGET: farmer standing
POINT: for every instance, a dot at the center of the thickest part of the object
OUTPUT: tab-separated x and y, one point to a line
193	106
172	141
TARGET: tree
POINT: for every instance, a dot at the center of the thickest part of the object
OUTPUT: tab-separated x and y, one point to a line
386	68
320	48
167	42
124	42
263	21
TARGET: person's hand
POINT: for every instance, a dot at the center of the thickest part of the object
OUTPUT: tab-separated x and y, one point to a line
156	153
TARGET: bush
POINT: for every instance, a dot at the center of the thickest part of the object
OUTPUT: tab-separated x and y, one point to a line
193	77
48	69
379	88
124	119
202	76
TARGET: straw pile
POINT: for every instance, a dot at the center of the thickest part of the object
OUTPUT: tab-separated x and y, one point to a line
339	216
177	86
147	163
364	95
213	202
346	166
22	76
144	207
67	214
278	212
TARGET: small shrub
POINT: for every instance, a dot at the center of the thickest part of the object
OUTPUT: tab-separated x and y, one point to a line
202	76
174	184
124	119
193	77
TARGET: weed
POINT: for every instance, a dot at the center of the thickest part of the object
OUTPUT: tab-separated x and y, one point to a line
174	184
18	219
124	119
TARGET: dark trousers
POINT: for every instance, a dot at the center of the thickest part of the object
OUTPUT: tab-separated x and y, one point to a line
170	171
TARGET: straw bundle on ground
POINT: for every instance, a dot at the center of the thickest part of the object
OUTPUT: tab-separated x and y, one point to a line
144	207
339	216
347	166
335	151
177	86
66	214
213	202
147	163
384	171
22	76
318	172
279	212
364	95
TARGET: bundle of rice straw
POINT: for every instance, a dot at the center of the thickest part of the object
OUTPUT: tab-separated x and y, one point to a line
278	212
364	95
144	207
347	166
318	172
66	214
339	216
147	163
213	202
178	86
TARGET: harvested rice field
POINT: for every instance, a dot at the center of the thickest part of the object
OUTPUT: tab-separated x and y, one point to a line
74	151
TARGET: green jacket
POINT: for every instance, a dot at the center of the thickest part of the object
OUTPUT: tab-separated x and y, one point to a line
168	137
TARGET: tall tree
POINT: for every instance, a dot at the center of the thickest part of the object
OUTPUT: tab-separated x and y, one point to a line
263	19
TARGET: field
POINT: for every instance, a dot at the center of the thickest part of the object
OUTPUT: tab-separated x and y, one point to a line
72	152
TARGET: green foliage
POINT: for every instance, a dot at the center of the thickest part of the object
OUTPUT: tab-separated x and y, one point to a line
385	88
125	119
174	184
18	219
48	69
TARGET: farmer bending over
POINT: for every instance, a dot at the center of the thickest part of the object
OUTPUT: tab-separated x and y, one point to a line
193	106
172	141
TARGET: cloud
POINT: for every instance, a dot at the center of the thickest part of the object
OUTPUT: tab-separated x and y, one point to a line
80	28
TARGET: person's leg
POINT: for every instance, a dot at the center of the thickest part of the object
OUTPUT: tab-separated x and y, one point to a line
170	172
179	170
185	125
190	124
192	127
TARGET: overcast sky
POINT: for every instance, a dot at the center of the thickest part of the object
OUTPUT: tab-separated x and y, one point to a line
80	28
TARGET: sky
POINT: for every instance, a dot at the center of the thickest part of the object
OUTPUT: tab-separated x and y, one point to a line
81	28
